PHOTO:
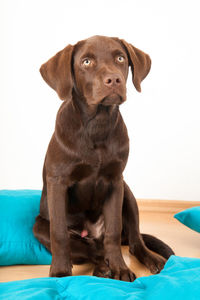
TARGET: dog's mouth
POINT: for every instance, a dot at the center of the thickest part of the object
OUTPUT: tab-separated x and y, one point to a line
112	99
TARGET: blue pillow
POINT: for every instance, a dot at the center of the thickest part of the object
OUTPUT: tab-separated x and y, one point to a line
190	217
18	209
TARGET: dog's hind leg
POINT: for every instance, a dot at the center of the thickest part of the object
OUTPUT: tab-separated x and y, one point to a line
131	234
41	231
157	245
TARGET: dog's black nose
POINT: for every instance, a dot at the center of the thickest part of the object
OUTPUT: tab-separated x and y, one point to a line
112	80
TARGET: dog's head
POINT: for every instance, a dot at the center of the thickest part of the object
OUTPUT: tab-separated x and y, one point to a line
97	68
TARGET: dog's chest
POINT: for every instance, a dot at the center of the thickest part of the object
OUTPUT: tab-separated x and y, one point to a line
104	148
93	184
102	163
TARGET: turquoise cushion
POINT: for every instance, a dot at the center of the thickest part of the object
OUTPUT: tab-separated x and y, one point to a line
18	209
190	217
180	279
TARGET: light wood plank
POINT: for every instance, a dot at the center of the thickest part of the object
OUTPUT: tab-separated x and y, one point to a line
165	206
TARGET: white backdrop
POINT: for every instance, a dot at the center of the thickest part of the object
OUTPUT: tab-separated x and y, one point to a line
163	121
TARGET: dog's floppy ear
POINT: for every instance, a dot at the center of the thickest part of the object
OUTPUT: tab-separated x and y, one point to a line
57	72
140	63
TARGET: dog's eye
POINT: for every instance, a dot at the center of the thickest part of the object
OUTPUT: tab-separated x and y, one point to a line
120	59
87	62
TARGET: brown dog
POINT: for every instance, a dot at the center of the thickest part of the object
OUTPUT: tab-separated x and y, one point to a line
87	210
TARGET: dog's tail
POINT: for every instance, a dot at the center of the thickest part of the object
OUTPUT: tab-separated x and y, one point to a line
157	245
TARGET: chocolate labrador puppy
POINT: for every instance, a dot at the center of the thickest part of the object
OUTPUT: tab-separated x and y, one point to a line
87	210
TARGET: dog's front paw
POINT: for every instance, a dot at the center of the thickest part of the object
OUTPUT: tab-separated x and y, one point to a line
124	274
63	270
114	272
102	270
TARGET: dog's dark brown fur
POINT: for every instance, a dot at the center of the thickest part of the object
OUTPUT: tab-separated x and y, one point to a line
87	210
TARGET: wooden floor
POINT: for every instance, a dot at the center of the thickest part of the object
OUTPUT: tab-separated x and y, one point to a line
156	217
